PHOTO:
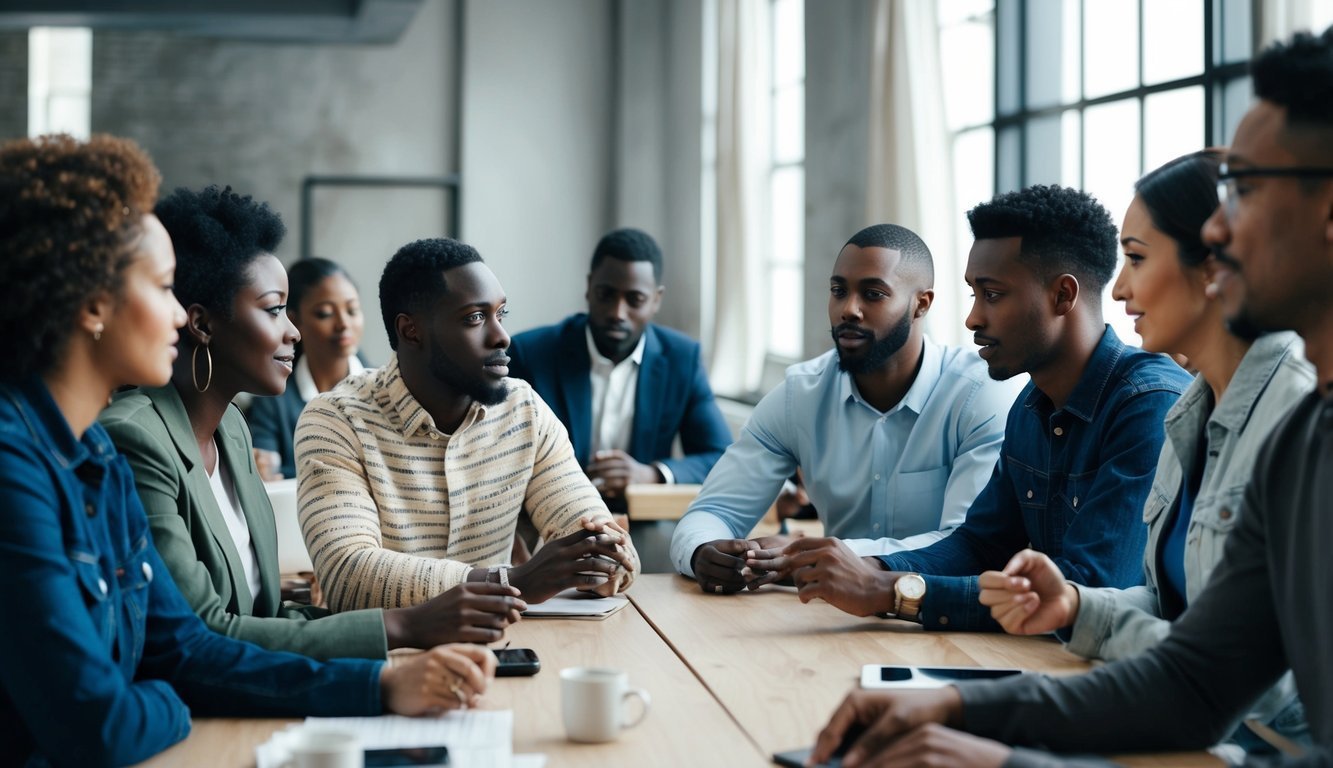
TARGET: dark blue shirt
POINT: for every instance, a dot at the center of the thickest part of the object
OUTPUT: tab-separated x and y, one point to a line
100	654
1070	483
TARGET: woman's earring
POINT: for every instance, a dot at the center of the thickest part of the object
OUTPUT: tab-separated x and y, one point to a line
194	369
1211	290
97	332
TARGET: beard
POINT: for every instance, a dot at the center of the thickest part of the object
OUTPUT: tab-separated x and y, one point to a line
446	371
878	353
1243	327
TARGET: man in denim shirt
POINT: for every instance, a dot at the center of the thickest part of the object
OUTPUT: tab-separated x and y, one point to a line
1081	442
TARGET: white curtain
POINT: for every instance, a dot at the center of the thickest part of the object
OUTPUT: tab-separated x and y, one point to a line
910	166
741	297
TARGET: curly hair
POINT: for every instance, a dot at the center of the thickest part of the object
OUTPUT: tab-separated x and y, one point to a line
414	278
70	215
628	245
914	255
217	234
1063	230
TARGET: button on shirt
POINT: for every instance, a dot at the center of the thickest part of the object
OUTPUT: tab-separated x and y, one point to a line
882	481
614	386
1070	483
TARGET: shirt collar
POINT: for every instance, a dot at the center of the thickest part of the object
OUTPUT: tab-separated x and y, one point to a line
599	359
48	426
1087	393
402	406
927	376
305	381
1247	384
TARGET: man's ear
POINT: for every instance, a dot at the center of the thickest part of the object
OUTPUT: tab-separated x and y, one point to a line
1064	293
923	301
407	329
199	325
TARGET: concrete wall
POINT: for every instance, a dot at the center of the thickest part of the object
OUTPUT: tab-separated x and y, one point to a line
538	154
262	116
13	85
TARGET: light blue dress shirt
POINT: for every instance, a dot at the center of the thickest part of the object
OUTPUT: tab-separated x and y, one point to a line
882	481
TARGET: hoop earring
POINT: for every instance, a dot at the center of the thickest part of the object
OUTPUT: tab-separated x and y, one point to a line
97	332
194	369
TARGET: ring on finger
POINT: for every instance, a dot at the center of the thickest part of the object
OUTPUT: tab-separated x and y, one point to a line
717	589
457	690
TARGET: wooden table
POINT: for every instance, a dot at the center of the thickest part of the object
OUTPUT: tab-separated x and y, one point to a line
733	678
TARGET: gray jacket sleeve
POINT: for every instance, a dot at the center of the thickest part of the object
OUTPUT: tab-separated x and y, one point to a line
1116	623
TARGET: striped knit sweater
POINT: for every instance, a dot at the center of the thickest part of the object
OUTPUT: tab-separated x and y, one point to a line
394	512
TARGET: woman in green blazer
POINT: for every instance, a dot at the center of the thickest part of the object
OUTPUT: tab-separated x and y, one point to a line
193	460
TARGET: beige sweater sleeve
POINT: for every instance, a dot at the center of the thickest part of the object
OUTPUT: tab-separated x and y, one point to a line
340	520
560	495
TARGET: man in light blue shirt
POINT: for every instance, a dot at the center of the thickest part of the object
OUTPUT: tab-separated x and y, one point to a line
894	435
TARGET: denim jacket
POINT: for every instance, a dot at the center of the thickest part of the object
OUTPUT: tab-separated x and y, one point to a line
1070	483
100	655
1272	377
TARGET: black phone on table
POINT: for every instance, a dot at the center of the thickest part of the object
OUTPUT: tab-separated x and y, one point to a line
400	756
516	662
795	758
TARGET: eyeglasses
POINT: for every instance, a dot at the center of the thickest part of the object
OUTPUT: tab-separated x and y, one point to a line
1228	197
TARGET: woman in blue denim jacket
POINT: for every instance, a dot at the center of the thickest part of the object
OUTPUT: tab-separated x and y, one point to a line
102	660
1245	386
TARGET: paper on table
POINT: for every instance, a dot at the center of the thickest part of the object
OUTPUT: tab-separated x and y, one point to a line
476	738
573	604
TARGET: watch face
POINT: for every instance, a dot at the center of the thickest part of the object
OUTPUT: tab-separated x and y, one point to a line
911	587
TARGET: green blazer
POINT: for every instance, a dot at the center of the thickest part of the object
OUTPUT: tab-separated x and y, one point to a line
151	429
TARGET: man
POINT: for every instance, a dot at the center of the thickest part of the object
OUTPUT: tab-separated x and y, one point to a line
1266	607
894	435
412	476
1081	443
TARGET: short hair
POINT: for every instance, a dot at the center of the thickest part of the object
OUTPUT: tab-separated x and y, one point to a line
1180	196
628	244
913	253
414	278
1063	230
307	273
217	234
70	215
1298	75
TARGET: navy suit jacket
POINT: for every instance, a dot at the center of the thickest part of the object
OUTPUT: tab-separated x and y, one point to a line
673	395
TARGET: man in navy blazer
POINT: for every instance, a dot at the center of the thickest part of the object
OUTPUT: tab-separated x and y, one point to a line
623	387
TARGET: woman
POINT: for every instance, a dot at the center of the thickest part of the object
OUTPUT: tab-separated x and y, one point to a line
1243	389
326	309
101	656
193	463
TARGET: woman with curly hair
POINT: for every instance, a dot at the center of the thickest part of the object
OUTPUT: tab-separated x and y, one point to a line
102	660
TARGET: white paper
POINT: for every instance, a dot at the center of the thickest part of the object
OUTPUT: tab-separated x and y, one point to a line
572	603
476	738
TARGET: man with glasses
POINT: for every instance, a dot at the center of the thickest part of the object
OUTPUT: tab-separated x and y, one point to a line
1267	606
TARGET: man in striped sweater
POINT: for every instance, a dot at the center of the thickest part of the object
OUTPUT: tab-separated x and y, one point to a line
411	477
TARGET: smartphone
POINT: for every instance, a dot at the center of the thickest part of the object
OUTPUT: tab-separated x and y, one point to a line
796	758
885	676
515	662
385	758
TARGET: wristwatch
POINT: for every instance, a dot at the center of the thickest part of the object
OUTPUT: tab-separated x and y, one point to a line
501	572
908	592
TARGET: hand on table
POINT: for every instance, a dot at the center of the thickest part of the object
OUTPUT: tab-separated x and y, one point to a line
444	677
611	471
472	612
826	568
1030	596
885	716
937	746
590	560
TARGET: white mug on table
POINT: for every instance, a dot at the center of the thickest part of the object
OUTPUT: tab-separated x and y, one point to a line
313	748
592	703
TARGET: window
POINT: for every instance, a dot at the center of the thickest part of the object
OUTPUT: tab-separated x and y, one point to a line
60	65
1093	93
786	182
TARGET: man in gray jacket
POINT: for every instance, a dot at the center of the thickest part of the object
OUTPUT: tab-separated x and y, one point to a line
1266	608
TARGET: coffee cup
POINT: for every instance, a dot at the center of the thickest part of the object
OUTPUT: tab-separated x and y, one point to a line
592	703
315	748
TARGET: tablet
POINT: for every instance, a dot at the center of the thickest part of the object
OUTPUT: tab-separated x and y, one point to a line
886	676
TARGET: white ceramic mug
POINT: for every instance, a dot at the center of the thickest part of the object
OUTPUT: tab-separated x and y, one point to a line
314	748
592	702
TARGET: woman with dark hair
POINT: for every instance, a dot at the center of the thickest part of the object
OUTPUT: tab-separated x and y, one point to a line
1245	386
102	661
326	309
193	461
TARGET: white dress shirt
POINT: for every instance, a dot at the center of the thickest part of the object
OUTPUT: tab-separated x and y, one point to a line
225	492
614	386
